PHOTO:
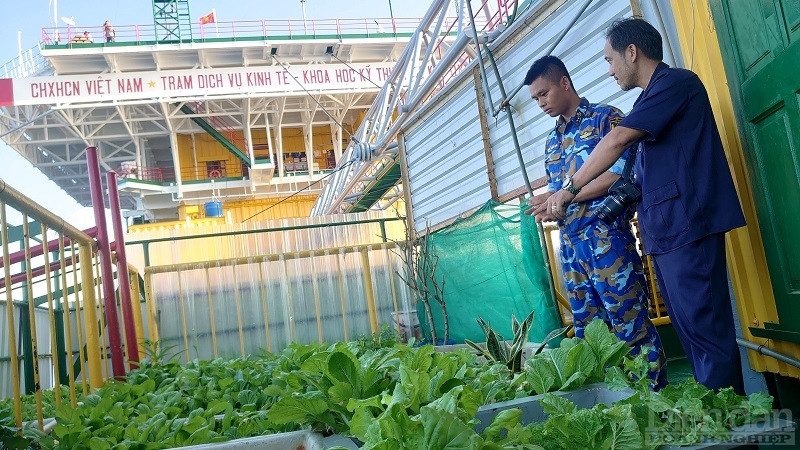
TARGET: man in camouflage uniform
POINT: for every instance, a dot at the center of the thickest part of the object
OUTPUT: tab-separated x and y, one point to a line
602	268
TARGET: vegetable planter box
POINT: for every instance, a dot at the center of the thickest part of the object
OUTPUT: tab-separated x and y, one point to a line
586	397
295	440
765	431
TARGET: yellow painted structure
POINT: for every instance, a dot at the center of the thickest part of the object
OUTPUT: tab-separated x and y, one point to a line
269	208
236	212
746	259
195	151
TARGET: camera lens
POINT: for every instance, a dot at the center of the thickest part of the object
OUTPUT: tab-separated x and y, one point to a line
610	209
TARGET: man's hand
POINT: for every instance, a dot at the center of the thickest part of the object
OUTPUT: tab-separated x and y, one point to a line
556	205
535	203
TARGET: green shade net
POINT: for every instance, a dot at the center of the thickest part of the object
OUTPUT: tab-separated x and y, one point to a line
492	266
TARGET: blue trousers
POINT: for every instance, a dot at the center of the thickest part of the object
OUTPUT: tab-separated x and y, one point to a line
694	284
604	278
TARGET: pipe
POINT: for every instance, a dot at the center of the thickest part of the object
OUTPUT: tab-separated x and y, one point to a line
272	257
90	312
368	289
137	311
39	271
20	202
11	334
104	252
510	118
122	269
265	230
507	100
33	335
406	110
760	348
54	337
67	322
28	122
484	78
51	246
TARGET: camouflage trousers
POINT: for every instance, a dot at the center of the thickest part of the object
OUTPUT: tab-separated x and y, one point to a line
605	279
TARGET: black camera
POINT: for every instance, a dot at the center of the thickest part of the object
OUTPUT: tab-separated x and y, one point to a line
622	194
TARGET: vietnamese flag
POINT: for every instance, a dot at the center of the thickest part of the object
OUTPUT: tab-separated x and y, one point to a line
208	18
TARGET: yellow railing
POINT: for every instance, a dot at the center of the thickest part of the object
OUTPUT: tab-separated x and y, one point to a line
656	307
66	288
332	294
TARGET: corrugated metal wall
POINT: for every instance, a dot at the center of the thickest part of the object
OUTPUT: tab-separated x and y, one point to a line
446	160
266	305
44	350
214	248
582	53
447	166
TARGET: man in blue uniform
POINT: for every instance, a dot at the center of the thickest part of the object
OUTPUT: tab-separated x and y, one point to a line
688	197
602	268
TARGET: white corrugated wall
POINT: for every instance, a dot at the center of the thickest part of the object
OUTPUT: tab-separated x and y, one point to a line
446	159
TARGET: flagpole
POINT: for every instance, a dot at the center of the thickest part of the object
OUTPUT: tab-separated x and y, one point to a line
305	26
214	15
391	14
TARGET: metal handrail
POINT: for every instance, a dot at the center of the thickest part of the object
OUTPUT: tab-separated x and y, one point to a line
381	27
19	201
28	63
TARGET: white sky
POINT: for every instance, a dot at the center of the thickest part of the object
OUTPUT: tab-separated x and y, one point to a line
30	16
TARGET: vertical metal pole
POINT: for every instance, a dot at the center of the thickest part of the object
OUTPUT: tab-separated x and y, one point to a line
289	297
12	338
264	301
67	323
25	336
340	276
51	315
96	284
37	388
315	286
382	224
183	316
548	264
150	306
137	310
237	301
122	270
146	249
61	350
371	309
79	328
391	15
211	314
104	250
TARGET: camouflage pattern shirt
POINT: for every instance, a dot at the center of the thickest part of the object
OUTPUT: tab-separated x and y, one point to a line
567	147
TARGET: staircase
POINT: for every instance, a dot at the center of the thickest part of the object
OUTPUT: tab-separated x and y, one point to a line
172	20
210	129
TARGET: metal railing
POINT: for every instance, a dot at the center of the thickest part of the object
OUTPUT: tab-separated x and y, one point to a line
423	71
308	283
656	307
381	27
50	278
239	306
29	63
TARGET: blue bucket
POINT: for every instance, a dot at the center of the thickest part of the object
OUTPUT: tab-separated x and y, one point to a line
213	209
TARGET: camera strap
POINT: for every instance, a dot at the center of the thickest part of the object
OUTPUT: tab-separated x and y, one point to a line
627	172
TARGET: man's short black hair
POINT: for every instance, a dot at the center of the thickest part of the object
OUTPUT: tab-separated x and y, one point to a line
549	67
624	32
